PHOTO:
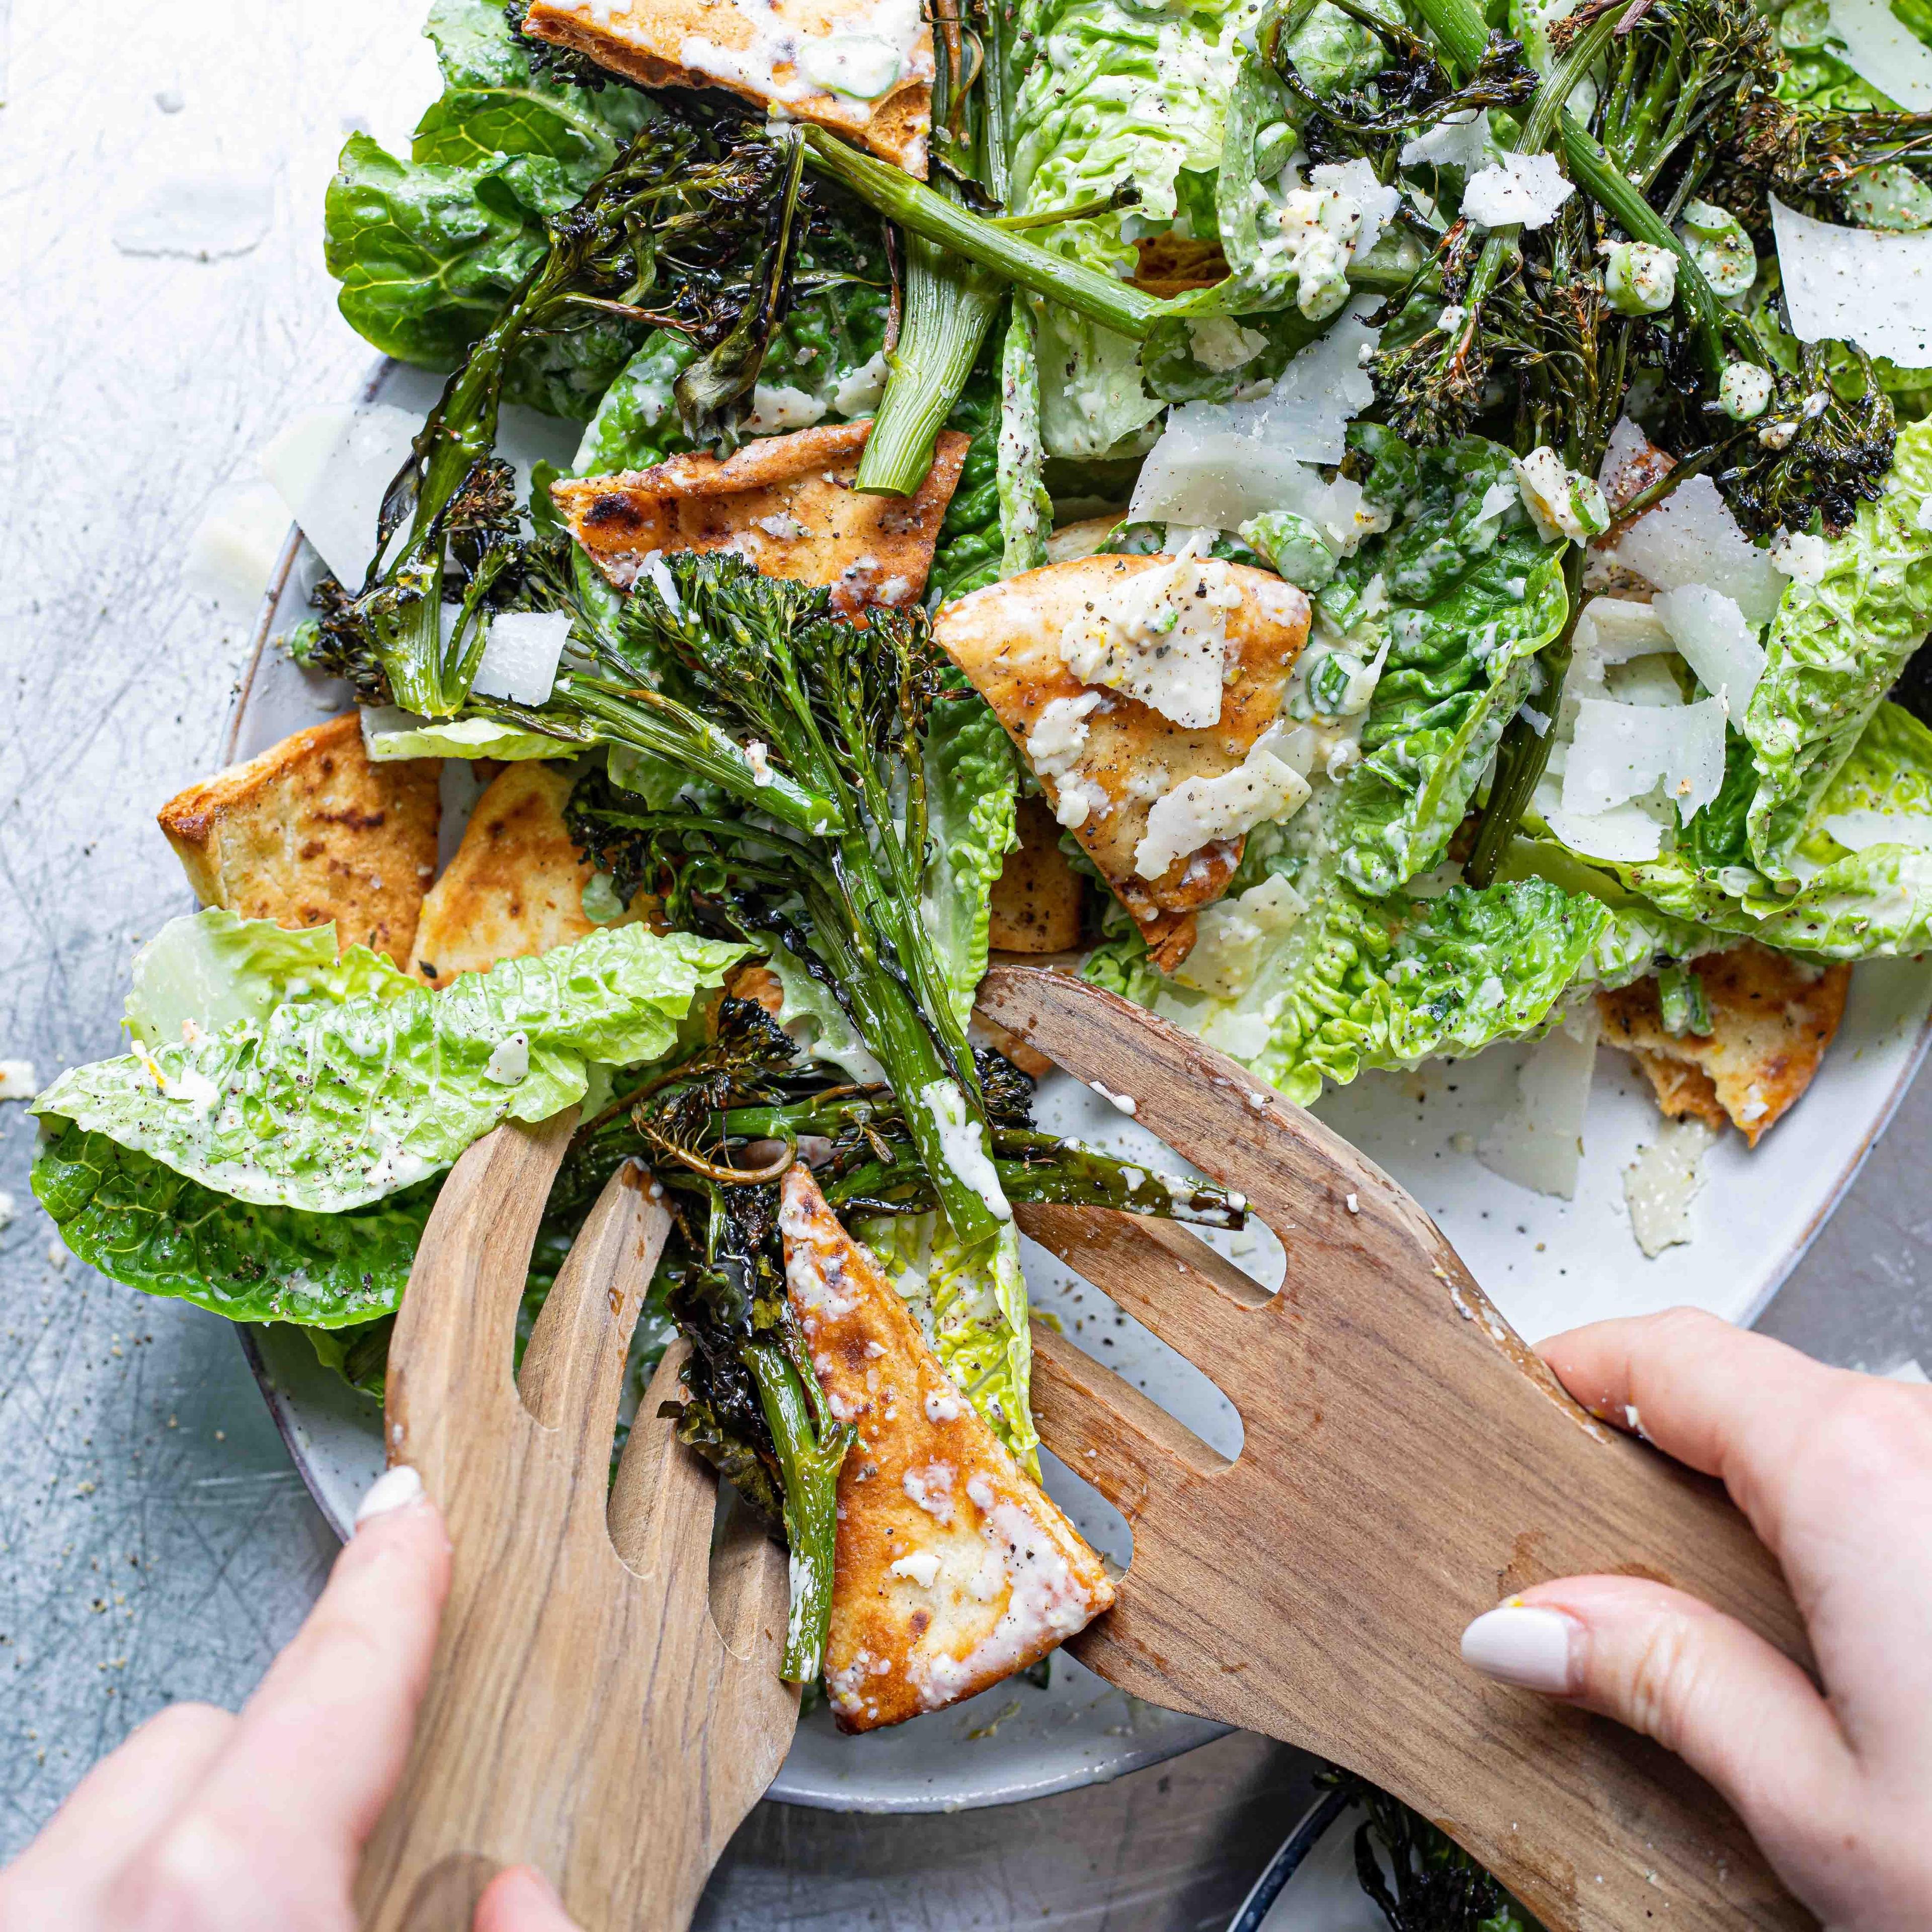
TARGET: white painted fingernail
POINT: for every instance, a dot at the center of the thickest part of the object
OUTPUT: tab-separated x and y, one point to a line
1522	1643
393	1489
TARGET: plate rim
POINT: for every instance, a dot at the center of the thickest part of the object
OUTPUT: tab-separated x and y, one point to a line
1143	1757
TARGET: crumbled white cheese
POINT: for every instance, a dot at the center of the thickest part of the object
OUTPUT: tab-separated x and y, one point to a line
1319	230
1159	635
1357	181
962	1145
786	528
920	1568
1260	790
1523	189
777	408
509	1062
1079	800
1059	734
1562	503
18	1080
758	756
858	393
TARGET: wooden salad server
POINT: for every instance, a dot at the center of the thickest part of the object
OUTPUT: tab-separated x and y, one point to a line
1406	1463
604	1701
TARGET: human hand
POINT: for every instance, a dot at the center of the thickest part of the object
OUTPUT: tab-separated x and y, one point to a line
1834	1471
203	1822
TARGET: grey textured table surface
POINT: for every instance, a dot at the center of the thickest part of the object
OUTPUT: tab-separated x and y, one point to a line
155	1542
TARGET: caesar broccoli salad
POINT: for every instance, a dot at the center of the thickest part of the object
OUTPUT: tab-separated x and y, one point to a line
1370	527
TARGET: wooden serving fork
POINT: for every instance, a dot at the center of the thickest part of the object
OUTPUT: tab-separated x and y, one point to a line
1406	1462
593	1709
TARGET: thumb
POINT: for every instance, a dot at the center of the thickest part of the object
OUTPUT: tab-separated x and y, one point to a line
521	1899
1736	1710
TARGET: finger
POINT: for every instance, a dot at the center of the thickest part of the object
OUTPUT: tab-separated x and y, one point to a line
319	1746
522	1899
1826	1464
574	1367
1736	1710
82	1850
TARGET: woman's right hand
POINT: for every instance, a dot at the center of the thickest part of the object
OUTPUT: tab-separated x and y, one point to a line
1835	1471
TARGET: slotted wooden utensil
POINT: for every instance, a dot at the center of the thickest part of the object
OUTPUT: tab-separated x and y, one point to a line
1406	1462
605	1701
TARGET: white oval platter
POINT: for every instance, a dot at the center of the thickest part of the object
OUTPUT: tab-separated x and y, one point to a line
1548	1263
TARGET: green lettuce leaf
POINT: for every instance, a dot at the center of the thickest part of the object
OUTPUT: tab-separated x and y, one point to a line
1472	598
971	1305
1357	983
1836	648
213	969
145	1225
327	1107
972	793
1870	903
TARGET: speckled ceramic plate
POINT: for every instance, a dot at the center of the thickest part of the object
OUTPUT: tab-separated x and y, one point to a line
1547	1263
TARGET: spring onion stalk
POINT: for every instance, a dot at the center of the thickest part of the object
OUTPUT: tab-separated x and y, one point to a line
949	305
924	211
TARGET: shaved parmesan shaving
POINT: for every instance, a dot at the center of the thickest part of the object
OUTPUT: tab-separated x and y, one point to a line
1661	1184
1197	812
1628	833
1718	645
332	467
1528	189
1161	636
1857	285
520	655
1538	1144
1230	937
1861	830
1613	630
200	217
1881	49
1621	751
1459	141
1216	464
1692	537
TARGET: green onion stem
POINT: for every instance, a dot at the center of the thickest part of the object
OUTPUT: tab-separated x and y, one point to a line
1114	304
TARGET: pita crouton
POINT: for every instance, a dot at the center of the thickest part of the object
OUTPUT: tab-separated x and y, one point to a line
1104	770
515	886
1035	903
954	1568
785	504
314	830
1771	1018
789	55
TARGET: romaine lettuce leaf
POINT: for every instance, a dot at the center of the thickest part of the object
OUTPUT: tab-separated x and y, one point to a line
1871	902
972	1307
327	1107
1834	649
972	790
1472	595
213	969
1359	983
426	249
145	1225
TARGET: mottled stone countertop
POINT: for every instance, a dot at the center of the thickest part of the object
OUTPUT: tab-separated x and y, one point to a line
154	1542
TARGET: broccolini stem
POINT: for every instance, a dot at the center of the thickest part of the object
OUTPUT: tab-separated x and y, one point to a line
1116	305
949	303
809	1460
